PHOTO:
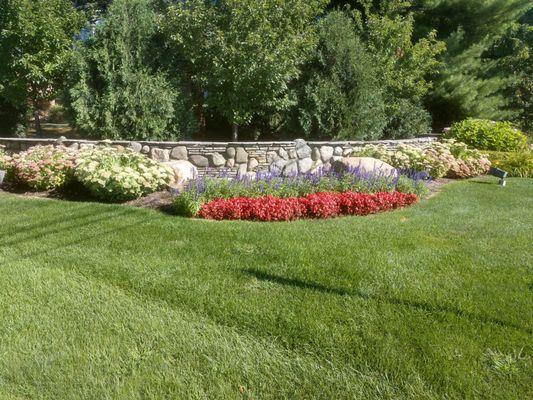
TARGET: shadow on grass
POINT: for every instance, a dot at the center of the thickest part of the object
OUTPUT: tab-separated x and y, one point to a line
432	308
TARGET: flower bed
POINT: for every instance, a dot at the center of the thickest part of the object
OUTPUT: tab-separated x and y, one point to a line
316	205
447	158
41	167
190	200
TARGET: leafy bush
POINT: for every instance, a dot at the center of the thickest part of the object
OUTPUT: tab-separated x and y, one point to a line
446	158
57	115
316	205
517	164
189	201
41	167
112	174
488	135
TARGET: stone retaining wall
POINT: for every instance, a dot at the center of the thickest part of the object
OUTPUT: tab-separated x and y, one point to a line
233	157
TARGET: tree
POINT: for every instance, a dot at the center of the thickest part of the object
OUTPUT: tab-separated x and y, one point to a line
119	88
36	40
468	84
242	54
339	95
403	63
513	56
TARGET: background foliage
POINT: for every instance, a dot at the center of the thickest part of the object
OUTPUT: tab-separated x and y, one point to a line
353	69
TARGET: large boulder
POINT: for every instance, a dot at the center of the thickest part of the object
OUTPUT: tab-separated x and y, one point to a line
364	165
183	171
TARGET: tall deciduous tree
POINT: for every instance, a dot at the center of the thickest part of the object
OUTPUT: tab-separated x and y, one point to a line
119	86
241	54
36	39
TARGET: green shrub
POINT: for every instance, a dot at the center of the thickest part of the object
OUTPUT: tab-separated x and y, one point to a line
488	135
41	167
518	164
111	174
57	115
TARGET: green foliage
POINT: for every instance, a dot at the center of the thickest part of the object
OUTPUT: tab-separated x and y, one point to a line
243	53
41	167
402	63
36	40
114	175
118	91
471	84
57	115
2	160
518	164
339	96
488	135
513	55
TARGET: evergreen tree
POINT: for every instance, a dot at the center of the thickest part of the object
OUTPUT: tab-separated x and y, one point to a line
119	88
468	85
339	96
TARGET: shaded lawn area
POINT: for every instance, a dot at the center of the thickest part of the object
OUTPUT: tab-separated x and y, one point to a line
112	302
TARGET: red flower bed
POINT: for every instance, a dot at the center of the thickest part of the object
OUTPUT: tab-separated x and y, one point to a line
317	205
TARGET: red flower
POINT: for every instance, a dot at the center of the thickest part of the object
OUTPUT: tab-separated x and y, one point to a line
317	205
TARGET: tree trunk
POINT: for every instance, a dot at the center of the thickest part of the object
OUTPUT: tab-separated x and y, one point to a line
38	128
235	132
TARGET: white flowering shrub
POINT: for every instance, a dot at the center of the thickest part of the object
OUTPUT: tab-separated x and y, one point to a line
446	158
112	174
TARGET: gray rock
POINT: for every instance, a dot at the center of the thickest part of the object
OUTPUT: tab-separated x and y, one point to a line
199	161
277	166
145	149
180	153
293	154
252	164
242	169
271	156
86	146
291	168
347	152
230	152
302	149
305	165
161	155
74	146
364	164
230	163
241	156
60	140
337	151
183	172
317	166
283	153
326	152
217	160
135	146
315	155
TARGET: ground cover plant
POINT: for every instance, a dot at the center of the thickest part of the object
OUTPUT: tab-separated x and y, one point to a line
427	302
189	200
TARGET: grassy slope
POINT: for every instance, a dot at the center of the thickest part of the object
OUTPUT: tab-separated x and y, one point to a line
435	301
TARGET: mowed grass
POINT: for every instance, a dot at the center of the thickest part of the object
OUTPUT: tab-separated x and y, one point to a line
111	302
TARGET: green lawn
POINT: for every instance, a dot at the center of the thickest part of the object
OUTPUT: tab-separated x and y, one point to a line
111	302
